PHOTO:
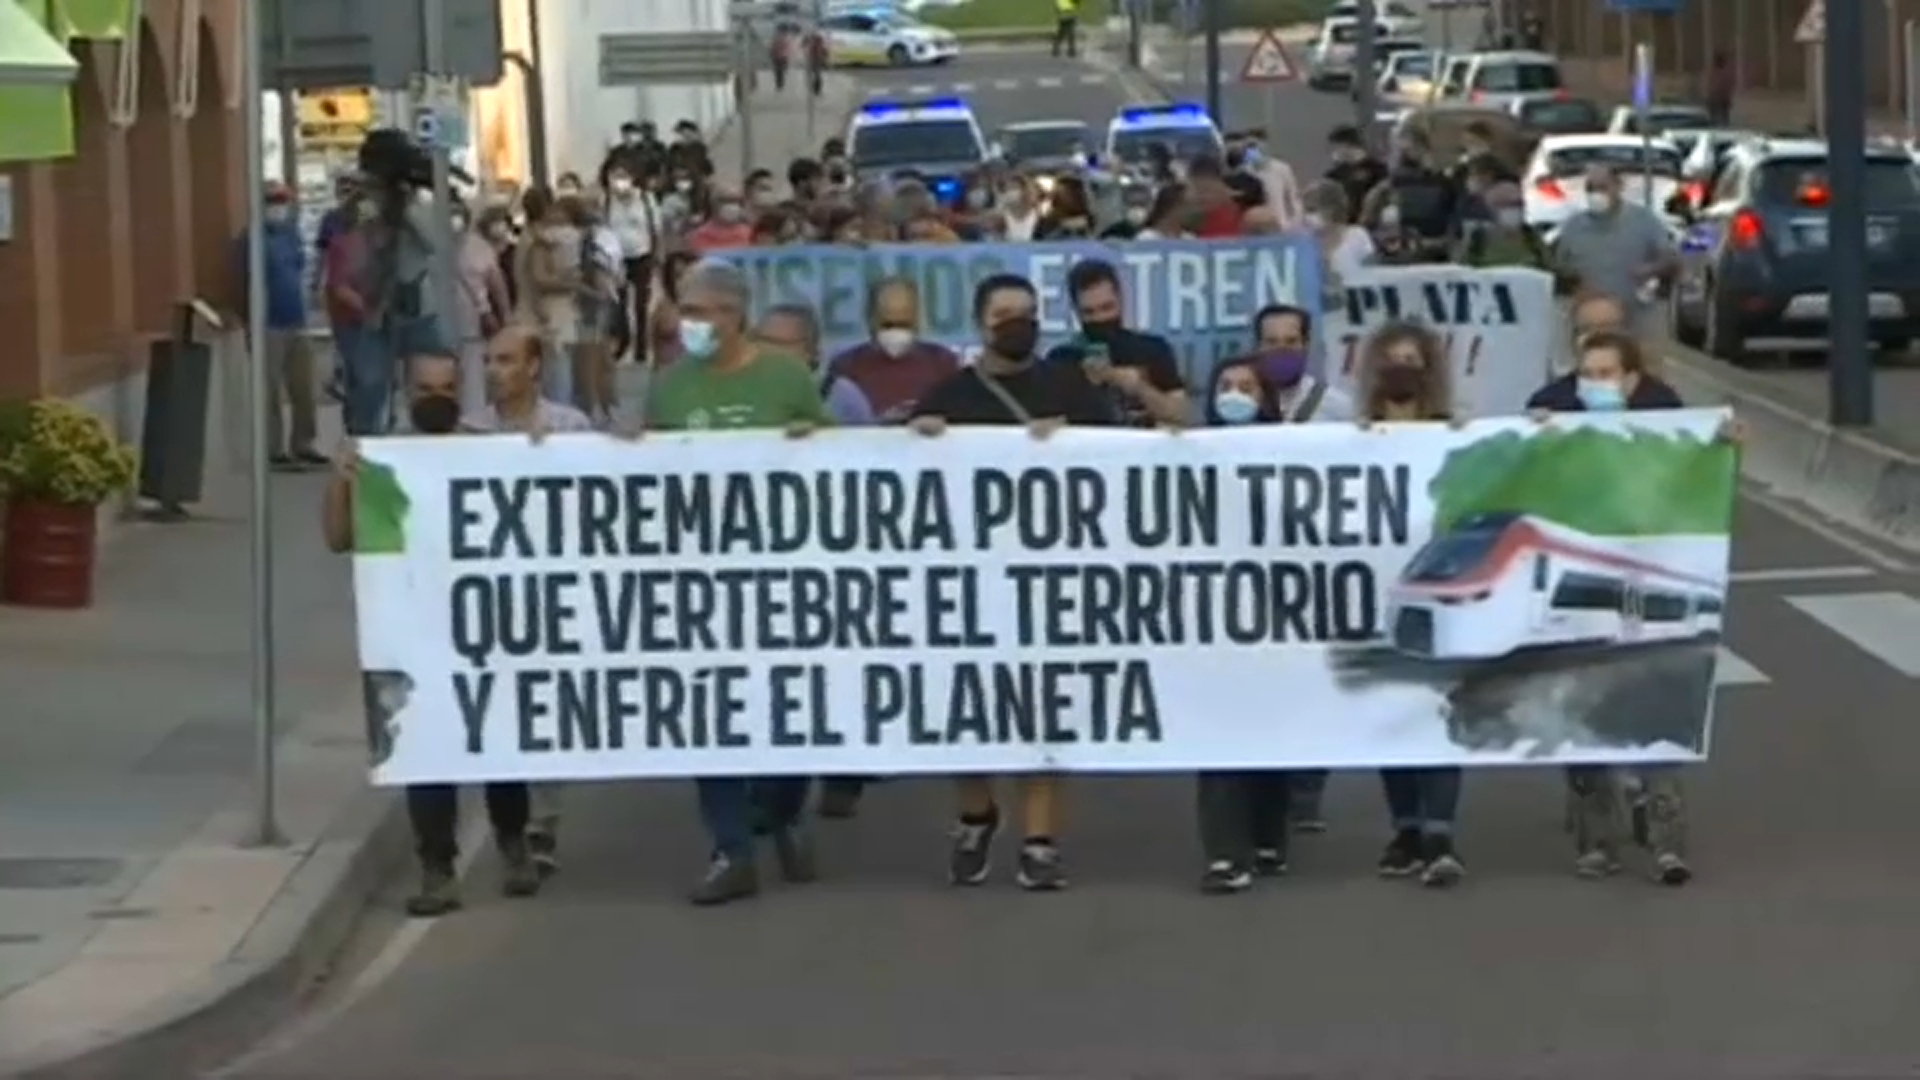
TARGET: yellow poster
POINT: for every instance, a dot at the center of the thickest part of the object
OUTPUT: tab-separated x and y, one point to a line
335	119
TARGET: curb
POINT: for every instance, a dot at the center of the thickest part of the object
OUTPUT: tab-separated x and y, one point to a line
1847	477
296	940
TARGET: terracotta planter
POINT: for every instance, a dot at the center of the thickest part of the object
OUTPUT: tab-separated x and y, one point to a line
47	555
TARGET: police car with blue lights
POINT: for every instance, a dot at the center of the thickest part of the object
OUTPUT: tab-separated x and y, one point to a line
1185	130
936	138
1754	260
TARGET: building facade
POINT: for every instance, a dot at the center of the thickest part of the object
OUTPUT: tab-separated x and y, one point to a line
109	241
1759	36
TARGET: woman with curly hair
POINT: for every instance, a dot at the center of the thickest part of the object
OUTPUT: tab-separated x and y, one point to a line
1405	377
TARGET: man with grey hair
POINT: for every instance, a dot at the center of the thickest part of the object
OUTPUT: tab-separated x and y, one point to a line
727	380
792	328
1616	248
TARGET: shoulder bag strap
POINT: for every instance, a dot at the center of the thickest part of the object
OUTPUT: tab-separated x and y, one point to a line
1013	405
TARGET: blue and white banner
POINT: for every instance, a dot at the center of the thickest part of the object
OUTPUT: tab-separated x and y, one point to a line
1200	295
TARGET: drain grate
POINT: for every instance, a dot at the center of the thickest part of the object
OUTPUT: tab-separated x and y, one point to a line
49	873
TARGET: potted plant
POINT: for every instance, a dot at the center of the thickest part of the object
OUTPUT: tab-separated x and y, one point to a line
58	463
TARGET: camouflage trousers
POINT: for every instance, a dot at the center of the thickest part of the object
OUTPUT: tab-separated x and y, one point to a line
1607	807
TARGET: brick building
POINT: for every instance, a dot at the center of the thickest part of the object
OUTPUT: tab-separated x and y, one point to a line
140	217
1758	34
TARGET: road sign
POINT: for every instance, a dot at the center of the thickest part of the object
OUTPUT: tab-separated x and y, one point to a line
323	44
1812	29
1269	62
335	119
649	59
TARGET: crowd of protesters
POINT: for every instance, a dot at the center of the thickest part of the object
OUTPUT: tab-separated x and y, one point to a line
559	286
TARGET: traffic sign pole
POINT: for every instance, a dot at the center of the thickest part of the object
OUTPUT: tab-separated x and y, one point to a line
1269	65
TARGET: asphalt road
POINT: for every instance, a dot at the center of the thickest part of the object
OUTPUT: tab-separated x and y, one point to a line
1790	956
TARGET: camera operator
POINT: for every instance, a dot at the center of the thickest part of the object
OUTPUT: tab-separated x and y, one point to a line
404	272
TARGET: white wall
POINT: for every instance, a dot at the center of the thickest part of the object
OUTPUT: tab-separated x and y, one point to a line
583	118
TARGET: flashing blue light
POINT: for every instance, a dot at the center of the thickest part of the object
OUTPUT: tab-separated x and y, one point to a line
889	108
946	187
1150	114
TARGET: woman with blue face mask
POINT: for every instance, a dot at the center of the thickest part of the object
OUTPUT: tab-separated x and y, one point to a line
1610	375
1243	813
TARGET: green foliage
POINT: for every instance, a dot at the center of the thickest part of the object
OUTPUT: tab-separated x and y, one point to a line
1627	482
1008	14
380	507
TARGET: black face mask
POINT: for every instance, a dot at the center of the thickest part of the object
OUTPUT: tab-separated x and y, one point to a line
434	414
1101	330
1401	384
1014	339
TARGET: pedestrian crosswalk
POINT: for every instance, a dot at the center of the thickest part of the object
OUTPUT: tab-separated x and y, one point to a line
1883	625
1002	86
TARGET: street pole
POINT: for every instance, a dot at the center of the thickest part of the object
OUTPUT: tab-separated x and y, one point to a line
813	100
1911	66
289	120
1642	104
1366	103
1850	363
536	100
433	38
743	96
260	398
1133	32
1214	106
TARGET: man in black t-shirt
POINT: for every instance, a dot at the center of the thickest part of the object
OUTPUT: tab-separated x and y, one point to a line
1008	385
1139	370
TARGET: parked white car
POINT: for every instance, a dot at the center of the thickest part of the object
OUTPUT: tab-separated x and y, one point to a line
1556	179
1397	18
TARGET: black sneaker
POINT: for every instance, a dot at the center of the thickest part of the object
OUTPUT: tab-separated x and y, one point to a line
793	850
311	458
1270	862
725	882
521	877
439	893
971	858
1041	869
1444	867
1403	857
543	847
1224	876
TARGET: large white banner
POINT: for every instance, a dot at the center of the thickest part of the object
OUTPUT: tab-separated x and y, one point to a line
1502	328
876	601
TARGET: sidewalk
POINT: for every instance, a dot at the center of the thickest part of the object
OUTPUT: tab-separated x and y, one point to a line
780	128
129	901
1608	81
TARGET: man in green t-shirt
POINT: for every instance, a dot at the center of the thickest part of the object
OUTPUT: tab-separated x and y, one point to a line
724	381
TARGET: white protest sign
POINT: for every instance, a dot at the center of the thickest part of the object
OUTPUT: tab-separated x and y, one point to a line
1501	327
875	601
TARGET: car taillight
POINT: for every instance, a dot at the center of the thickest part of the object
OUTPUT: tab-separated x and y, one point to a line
1744	232
1816	196
1696	194
1549	188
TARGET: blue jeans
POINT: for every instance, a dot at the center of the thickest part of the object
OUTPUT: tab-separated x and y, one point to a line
729	806
367	376
1422	800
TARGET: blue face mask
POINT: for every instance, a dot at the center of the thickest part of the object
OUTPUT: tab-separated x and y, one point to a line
1599	396
1236	407
697	339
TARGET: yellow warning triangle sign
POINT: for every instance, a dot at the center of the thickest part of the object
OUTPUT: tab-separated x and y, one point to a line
1269	62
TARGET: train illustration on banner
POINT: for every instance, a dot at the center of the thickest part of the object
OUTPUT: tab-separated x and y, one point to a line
1496	584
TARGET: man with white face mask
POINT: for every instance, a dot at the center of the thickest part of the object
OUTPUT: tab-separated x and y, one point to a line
1616	248
634	216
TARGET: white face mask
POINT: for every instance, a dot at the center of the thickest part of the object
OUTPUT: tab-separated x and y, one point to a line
1314	219
1601	202
894	341
620	185
1136	215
